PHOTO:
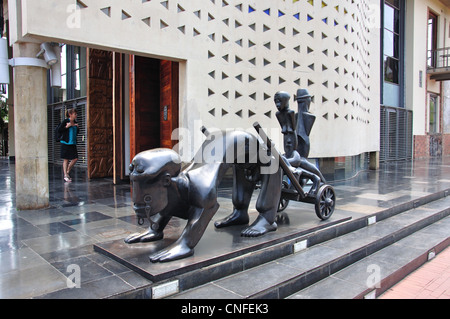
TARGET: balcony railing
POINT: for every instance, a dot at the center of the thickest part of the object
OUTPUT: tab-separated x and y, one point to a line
439	64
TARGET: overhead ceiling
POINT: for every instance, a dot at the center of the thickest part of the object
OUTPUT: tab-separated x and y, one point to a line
446	2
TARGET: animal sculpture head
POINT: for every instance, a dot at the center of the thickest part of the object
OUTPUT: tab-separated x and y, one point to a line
151	175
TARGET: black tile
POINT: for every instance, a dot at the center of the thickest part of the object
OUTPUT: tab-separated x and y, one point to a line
21	229
102	288
119	205
9	242
55	228
87	218
89	270
61	255
108	263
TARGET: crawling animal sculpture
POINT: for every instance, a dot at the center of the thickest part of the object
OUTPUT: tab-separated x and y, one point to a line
161	190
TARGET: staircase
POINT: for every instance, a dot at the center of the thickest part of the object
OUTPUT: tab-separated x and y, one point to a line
359	258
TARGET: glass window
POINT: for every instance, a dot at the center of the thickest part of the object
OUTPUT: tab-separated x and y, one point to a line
392	52
391	66
64	67
392	19
432	39
73	75
394	3
391	42
60	94
79	72
433	122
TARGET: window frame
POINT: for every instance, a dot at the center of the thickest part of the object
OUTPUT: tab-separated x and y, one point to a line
433	128
69	74
396	43
432	42
75	69
388	87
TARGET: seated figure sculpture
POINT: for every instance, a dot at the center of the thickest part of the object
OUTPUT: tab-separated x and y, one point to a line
299	165
162	190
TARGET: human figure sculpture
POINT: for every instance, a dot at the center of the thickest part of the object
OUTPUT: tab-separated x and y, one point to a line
305	122
162	190
301	167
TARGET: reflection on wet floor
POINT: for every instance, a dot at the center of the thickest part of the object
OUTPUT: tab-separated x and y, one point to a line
37	246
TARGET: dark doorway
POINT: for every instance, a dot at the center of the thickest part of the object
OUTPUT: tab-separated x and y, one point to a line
153	103
146	107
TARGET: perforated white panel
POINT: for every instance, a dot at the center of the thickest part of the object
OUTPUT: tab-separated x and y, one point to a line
237	54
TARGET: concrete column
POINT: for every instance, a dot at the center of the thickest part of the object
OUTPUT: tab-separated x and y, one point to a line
10	102
11	146
374	160
30	126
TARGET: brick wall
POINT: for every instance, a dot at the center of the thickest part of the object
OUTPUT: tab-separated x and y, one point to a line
446	145
421	146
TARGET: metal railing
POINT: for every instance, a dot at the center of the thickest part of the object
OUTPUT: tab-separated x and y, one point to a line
439	58
396	134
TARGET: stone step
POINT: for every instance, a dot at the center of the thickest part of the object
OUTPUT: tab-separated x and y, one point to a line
285	276
204	267
373	275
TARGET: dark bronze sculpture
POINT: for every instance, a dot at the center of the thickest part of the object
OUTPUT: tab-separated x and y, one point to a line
301	167
161	189
305	122
296	152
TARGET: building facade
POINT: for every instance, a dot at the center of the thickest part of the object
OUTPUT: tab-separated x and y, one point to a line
146	74
427	43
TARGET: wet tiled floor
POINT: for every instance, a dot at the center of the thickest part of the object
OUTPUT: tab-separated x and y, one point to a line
38	248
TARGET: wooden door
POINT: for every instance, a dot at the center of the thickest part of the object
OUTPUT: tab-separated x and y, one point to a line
169	102
99	114
144	104
153	103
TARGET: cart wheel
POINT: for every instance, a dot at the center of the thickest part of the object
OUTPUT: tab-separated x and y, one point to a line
283	202
325	202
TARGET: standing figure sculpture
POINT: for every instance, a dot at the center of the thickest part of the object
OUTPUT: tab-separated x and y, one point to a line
305	122
300	166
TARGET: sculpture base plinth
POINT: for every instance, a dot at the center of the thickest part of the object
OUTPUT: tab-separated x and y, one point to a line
216	246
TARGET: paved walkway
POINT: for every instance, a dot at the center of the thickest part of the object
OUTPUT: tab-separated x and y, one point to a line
42	250
431	281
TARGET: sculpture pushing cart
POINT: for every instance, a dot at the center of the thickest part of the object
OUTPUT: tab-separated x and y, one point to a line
298	170
324	198
161	189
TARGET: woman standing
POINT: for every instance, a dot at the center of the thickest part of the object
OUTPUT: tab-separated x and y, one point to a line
69	131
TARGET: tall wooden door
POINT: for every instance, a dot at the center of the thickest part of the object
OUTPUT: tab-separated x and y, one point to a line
153	103
169	102
99	114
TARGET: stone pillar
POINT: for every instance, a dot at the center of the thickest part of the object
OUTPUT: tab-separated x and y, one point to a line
11	145
374	160
10	102
30	126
